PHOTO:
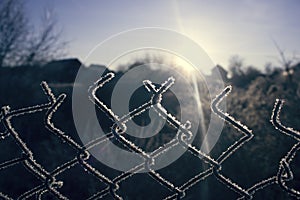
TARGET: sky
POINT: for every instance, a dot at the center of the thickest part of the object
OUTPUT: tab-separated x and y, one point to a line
222	28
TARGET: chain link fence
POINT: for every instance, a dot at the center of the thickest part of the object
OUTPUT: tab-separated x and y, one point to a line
50	184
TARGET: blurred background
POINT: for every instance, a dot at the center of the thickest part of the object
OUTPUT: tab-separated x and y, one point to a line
254	46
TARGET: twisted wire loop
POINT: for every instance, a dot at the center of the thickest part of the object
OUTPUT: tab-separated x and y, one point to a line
284	173
49	183
118	129
216	165
181	138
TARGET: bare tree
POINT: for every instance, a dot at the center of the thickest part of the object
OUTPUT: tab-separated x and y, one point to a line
286	62
13	29
20	43
45	44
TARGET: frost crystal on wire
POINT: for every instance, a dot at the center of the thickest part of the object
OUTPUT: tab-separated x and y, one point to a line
49	184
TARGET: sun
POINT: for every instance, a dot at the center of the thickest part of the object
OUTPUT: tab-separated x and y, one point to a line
183	66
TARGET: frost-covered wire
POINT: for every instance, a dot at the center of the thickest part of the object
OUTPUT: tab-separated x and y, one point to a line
49	184
284	173
27	158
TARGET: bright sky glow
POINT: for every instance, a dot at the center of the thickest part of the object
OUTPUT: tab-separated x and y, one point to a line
221	28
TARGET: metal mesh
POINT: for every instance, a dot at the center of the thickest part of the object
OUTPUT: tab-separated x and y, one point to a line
50	184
